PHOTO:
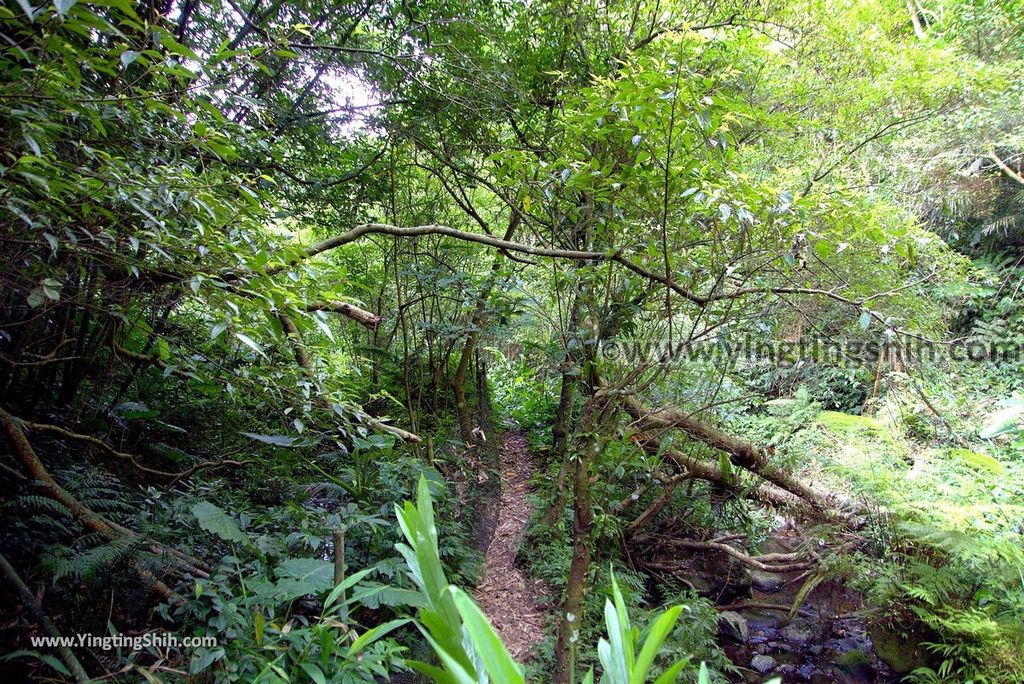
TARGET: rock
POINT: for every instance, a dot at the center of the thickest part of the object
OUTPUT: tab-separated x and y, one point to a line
816	649
733	627
796	635
853	667
848	644
899	652
718	576
762	663
767	582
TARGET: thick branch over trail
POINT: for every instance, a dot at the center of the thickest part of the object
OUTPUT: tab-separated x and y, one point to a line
615	256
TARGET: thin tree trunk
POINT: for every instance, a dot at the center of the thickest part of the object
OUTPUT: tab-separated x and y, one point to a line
569	624
560	446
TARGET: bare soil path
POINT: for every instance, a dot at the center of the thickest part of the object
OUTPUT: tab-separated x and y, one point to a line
507	598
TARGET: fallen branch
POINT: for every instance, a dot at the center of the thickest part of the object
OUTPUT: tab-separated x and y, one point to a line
741	453
710	472
150	360
1005	168
756	562
757	605
656	506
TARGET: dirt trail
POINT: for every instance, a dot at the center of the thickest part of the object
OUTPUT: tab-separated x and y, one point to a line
509	599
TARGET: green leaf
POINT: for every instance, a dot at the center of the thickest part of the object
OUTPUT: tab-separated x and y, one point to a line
979	460
216	521
134	410
249	343
26	7
1004	421
670	675
313	575
314	672
276	440
370	636
625	629
655	638
64	6
349	582
865	319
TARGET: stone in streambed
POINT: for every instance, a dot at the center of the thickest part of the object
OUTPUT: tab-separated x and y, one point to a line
733	627
795	635
901	652
767	582
853	667
762	663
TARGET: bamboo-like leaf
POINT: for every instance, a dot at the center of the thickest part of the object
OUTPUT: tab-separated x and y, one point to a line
625	629
670	675
349	581
655	638
371	635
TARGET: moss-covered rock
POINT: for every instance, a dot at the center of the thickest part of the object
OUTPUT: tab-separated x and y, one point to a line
901	652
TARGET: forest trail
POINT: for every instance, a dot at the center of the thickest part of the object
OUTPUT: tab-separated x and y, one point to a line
507	598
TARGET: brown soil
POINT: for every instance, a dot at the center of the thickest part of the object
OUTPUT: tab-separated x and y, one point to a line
508	599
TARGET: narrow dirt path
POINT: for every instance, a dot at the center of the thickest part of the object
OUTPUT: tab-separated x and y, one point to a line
507	598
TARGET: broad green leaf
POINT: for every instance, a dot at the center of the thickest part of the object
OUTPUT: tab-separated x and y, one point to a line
276	440
314	573
655	638
314	672
492	652
216	521
248	341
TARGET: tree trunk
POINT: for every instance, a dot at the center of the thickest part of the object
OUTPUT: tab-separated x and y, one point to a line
582	526
560	447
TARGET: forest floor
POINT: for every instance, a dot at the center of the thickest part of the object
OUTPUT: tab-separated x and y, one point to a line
508	598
